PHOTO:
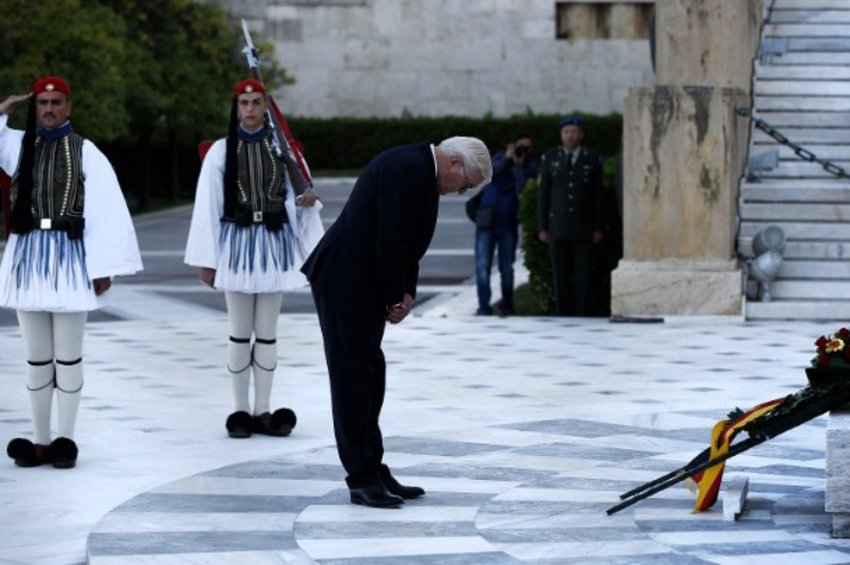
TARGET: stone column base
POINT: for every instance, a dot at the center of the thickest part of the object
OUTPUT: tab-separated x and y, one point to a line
837	493
676	287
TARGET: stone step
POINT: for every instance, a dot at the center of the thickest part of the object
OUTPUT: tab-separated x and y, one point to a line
770	190
810	16
819	135
813	184
810	5
803	103
799	88
794	231
799	269
803	170
810	58
796	211
787	29
810	290
786	120
828	152
801	72
797	231
819	44
805	250
798	310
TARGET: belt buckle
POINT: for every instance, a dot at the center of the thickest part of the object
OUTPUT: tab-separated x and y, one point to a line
45	224
258	217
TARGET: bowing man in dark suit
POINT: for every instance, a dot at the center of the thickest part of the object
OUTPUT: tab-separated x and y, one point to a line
363	274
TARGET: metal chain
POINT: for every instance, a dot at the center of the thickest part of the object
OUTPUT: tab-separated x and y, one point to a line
800	152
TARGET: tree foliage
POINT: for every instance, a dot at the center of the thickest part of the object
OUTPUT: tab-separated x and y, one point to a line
146	75
82	41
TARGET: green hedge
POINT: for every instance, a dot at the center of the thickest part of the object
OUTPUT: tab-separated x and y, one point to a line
160	172
349	143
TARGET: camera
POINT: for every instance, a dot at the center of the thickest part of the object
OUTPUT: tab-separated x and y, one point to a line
520	150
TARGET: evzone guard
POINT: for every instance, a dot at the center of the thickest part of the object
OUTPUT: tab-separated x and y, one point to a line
249	240
71	233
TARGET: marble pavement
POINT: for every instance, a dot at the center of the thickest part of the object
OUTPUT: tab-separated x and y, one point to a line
522	430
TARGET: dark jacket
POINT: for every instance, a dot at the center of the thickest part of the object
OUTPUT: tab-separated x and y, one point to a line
370	256
503	191
571	200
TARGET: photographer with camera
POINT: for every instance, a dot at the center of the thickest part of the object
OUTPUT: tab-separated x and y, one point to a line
496	224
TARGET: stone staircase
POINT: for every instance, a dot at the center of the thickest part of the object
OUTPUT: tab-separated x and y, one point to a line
802	89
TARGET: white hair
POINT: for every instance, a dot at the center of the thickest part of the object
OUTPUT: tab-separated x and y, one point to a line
474	153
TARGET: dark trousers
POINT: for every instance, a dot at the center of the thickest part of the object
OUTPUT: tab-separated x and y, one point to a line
571	277
486	242
357	371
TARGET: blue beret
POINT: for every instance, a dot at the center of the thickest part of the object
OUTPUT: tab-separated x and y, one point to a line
571	121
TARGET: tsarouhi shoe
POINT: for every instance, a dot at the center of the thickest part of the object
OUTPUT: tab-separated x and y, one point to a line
278	424
28	454
239	424
64	452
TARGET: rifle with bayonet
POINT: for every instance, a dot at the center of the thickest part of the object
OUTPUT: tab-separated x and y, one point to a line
283	144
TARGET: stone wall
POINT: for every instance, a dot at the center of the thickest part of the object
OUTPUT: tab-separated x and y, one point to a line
442	57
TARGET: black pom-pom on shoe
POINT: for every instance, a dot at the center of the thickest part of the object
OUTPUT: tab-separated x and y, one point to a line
64	453
279	424
27	454
239	424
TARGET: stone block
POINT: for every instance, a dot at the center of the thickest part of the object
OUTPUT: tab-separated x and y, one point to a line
841	525
735	498
684	150
837	490
707	42
674	287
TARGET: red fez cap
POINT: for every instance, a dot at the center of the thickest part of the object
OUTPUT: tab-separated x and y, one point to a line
248	86
51	84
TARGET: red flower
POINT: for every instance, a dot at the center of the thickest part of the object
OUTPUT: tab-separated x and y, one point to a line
843	333
821	342
823	360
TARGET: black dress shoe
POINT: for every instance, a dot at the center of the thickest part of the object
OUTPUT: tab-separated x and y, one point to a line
375	496
398	489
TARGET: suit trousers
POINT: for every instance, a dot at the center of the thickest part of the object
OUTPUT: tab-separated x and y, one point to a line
571	276
357	371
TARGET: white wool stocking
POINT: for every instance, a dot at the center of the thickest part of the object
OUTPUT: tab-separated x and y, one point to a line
47	336
40	387
68	349
266	312
240	313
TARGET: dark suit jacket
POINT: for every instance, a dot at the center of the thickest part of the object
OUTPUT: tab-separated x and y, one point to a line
370	256
571	199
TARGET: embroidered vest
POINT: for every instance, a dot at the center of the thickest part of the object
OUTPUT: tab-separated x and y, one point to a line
58	195
260	186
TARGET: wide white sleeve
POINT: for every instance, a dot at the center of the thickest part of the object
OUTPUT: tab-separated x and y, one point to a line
109	236
310	227
10	146
306	223
202	245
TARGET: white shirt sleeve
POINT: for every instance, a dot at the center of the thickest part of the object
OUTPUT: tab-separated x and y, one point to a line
10	146
109	236
202	246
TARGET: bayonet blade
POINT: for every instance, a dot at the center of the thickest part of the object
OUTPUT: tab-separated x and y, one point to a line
250	51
